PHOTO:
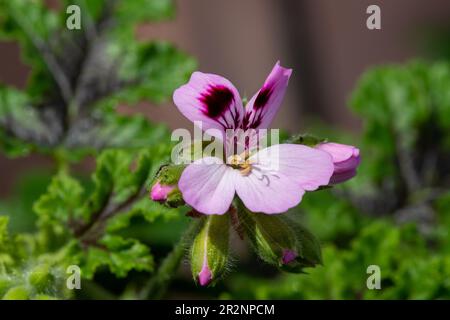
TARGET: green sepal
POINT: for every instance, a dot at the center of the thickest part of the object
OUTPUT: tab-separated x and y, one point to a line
310	254
306	139
175	199
211	243
269	235
169	174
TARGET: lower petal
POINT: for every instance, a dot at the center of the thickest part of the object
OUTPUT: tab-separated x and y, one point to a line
308	167
208	186
268	193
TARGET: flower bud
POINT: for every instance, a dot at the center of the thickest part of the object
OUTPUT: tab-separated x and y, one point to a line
209	251
280	241
165	189
310	254
273	240
345	158
160	192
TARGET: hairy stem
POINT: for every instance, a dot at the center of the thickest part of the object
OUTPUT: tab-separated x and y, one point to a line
157	285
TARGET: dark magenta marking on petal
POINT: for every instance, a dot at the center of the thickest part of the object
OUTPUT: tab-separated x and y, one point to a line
263	96
254	122
216	100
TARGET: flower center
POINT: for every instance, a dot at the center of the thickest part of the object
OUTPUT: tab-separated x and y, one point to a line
241	163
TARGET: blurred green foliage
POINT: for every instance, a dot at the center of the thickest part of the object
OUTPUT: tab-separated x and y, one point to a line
395	213
68	110
79	77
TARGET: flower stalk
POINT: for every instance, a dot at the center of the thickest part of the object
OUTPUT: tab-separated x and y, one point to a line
157	285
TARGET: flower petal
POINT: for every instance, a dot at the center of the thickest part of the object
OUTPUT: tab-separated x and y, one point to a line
263	106
308	167
212	100
339	177
345	157
280	175
208	185
268	193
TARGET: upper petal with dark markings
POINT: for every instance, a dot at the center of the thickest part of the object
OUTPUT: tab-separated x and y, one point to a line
263	106
211	99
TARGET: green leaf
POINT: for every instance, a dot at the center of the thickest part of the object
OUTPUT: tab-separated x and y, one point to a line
120	174
405	110
60	203
20	124
17	293
6	258
126	13
145	208
129	12
32	24
40	277
117	131
4	238
24	18
119	255
152	70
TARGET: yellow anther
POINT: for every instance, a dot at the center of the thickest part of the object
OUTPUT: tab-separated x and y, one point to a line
240	163
246	169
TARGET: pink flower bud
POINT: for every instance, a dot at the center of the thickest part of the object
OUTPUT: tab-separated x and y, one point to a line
209	250
205	275
160	192
345	159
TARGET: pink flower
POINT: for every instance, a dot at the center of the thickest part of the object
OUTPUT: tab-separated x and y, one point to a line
345	158
266	181
160	192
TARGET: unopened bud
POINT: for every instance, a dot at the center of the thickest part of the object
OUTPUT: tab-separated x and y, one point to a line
280	241
272	238
346	160
310	254
209	252
160	192
165	188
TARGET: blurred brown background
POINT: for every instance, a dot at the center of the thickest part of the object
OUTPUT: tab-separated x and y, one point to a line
325	41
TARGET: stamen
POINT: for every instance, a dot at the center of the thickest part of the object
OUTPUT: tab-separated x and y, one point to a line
240	163
246	169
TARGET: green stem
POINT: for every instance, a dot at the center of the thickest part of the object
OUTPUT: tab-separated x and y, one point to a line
157	285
